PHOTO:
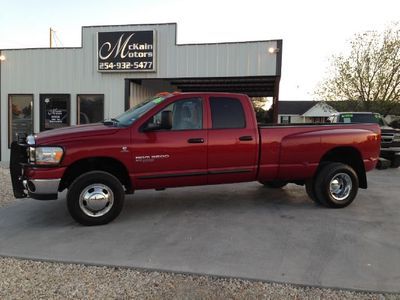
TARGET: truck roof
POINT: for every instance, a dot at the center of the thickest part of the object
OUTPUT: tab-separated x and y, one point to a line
354	112
165	94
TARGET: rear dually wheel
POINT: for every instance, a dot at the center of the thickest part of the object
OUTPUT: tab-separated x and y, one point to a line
336	185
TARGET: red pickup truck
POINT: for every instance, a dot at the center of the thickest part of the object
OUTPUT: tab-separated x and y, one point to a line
186	139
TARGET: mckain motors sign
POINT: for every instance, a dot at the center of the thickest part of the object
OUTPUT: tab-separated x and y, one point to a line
126	51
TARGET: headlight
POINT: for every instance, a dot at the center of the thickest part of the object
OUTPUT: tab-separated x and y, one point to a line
45	155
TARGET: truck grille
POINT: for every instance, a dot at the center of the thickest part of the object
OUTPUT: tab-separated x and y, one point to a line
387	138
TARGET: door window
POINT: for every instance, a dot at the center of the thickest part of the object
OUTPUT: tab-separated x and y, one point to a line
187	114
227	113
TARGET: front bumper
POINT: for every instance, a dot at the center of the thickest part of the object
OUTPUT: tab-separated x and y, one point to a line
42	189
28	181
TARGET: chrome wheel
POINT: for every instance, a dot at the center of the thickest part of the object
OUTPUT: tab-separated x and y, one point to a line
340	186
96	200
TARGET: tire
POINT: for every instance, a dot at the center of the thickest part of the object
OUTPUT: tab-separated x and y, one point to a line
275	184
310	190
336	185
95	198
395	163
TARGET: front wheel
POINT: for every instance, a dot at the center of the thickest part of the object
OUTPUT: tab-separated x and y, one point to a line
336	185
95	198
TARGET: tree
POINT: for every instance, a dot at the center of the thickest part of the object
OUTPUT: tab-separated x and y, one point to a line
263	113
370	75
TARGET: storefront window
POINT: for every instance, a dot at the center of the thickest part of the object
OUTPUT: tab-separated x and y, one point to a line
54	111
20	115
90	109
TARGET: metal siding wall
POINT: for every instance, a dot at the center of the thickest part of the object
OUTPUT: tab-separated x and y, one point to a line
74	70
139	93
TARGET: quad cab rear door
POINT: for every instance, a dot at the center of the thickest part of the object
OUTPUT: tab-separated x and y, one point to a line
232	140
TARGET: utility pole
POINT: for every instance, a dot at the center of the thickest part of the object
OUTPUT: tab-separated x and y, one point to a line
51	37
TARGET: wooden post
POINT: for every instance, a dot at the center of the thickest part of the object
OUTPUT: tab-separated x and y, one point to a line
51	37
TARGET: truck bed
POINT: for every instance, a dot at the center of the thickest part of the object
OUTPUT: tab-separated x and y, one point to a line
294	151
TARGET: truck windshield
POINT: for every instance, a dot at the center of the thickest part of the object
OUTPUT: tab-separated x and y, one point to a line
361	118
134	113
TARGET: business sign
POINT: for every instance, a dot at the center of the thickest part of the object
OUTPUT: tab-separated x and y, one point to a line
126	51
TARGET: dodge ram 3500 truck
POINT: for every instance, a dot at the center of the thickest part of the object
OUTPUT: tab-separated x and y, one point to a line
187	139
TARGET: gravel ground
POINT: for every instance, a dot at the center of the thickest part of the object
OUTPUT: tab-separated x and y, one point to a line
6	195
26	279
22	279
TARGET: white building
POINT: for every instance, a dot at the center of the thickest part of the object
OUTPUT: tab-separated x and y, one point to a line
118	67
304	111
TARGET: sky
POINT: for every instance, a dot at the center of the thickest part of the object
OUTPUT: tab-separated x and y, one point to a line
312	30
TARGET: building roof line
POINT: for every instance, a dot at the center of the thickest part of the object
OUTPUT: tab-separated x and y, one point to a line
155	24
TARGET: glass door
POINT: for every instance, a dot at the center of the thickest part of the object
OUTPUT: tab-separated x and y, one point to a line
54	111
20	116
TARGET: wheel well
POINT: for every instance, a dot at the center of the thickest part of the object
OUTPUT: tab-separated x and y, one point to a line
349	156
106	164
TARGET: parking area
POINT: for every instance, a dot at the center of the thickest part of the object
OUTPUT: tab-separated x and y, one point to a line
240	230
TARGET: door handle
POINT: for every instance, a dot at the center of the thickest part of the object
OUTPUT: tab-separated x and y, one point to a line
196	141
246	138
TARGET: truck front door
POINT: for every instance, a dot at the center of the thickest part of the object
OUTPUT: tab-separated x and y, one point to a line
176	156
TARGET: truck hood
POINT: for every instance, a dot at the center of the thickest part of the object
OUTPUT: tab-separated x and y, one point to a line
74	132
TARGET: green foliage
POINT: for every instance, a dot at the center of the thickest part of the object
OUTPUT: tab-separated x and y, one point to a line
262	115
384	108
369	76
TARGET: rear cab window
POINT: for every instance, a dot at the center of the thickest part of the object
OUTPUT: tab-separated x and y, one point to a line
227	113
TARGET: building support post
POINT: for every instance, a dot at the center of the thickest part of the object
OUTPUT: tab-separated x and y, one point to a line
275	104
1	128
278	72
127	94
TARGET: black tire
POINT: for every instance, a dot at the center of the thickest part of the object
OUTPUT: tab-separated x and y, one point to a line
395	163
101	189
310	190
275	184
346	179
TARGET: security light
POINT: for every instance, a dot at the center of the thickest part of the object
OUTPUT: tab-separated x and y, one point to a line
273	50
